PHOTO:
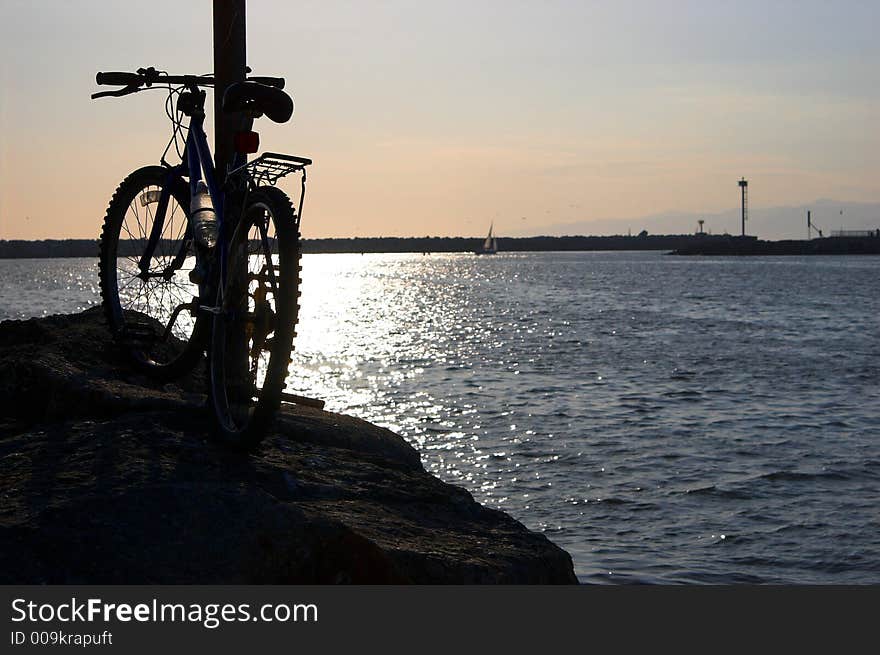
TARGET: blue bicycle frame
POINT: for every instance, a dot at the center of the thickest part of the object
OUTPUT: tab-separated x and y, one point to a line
196	158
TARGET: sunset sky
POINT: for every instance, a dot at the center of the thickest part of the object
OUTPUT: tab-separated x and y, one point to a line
437	118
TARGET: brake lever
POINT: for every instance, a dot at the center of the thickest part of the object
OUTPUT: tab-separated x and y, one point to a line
117	93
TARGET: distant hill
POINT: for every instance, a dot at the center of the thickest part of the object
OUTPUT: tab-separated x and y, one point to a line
765	222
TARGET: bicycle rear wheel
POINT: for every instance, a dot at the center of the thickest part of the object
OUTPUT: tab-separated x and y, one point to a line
149	302
253	330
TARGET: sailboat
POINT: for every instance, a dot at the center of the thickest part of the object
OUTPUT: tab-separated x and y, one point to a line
490	245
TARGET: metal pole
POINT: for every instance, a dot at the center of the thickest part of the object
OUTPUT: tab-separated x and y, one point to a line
229	67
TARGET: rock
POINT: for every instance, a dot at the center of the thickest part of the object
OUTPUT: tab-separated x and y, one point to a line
110	478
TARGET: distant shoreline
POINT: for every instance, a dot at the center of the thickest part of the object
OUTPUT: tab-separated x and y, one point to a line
753	247
49	248
677	244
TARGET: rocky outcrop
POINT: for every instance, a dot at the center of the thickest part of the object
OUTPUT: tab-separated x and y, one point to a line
108	478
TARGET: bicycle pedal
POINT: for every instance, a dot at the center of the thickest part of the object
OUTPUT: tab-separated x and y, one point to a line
139	332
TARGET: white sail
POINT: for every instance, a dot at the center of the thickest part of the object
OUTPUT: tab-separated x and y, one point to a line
489	243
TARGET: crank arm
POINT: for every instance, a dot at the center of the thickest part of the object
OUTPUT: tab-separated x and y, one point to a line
192	306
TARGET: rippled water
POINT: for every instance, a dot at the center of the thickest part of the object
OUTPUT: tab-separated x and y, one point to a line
663	419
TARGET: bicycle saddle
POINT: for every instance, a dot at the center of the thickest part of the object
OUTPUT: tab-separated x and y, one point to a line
253	96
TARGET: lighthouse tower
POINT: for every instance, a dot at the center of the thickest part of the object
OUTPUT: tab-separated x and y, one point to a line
744	186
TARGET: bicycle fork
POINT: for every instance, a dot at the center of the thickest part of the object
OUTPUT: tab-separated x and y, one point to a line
162	199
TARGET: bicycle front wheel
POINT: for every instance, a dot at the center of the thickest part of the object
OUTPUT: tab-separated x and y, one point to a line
146	257
255	320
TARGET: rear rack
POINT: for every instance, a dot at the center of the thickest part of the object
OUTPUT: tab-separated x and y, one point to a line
270	167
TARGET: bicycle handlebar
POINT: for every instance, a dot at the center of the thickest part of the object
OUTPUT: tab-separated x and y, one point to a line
132	82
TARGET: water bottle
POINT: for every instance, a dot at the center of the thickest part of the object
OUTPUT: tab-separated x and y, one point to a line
204	220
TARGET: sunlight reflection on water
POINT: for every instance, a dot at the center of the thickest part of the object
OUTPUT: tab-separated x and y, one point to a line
590	394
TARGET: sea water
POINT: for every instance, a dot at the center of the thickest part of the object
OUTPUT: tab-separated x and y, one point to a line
663	419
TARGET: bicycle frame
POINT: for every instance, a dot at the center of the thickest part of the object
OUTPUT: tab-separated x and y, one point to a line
196	159
197	164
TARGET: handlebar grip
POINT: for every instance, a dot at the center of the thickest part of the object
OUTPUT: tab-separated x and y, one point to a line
119	79
277	82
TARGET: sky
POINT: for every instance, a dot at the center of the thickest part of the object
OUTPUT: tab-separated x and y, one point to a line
439	118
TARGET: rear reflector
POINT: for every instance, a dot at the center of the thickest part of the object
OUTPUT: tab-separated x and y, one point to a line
247	142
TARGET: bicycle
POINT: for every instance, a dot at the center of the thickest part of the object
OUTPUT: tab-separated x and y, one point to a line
189	264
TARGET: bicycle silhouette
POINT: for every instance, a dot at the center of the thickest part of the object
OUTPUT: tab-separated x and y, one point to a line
189	264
